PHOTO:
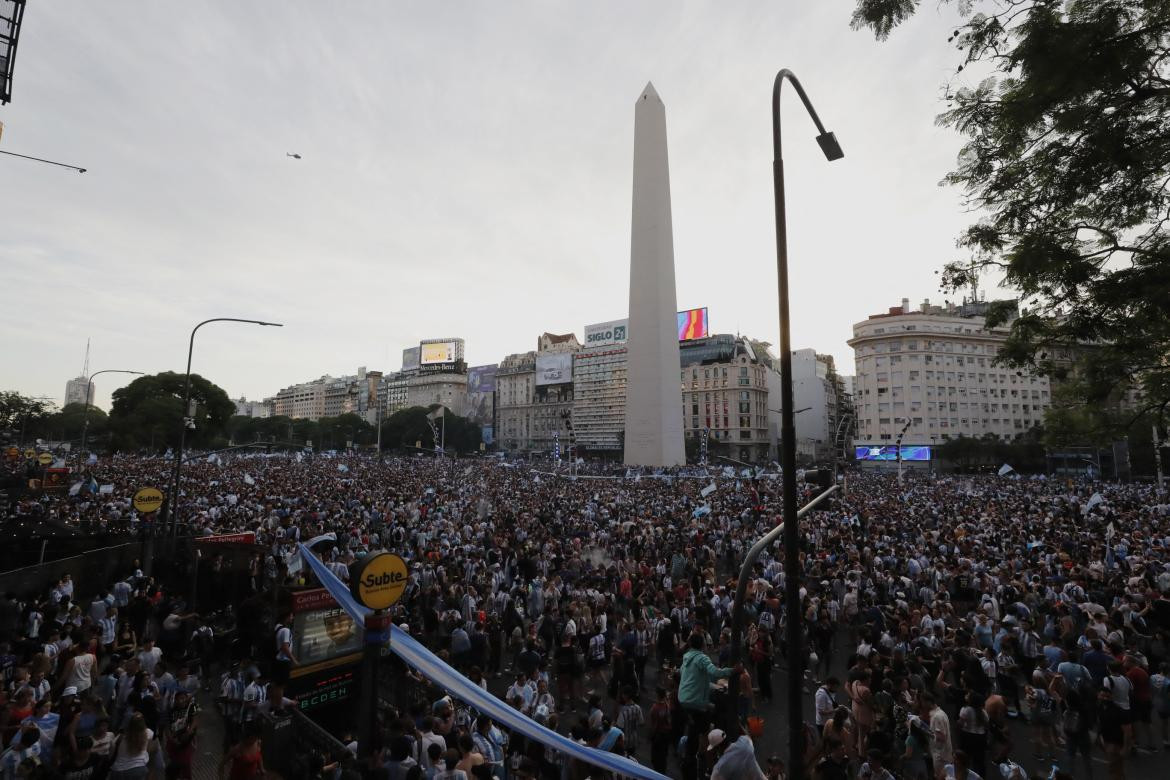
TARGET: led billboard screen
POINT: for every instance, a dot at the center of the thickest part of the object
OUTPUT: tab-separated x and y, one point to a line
410	359
692	324
890	452
554	369
437	352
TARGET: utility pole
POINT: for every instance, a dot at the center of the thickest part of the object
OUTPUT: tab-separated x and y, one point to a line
1158	461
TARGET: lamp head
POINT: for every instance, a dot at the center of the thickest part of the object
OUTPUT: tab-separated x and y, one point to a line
829	145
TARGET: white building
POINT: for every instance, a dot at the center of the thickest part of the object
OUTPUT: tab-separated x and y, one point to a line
934	367
246	408
599	387
817	396
447	389
75	391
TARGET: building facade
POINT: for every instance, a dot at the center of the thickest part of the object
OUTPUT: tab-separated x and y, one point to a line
552	395
75	391
599	388
448	389
515	386
246	408
933	369
725	392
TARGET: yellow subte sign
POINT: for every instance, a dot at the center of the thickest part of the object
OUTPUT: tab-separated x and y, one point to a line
148	500
378	581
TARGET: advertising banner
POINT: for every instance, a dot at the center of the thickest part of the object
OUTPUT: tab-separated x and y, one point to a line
437	352
481	384
890	452
692	324
603	334
245	537
554	369
323	634
410	358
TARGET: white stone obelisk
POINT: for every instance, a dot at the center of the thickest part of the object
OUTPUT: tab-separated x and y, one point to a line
654	423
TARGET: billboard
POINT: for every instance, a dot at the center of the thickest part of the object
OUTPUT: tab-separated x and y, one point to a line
410	357
692	324
554	369
437	352
481	383
890	452
605	333
323	634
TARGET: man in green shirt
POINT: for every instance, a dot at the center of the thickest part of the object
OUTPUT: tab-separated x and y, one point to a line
698	674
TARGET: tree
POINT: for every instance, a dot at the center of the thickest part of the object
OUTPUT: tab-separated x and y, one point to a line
22	414
407	426
68	424
148	412
1067	160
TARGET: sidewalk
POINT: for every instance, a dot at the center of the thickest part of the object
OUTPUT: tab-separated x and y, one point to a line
209	748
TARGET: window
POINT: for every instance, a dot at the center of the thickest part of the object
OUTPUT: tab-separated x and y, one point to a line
745	407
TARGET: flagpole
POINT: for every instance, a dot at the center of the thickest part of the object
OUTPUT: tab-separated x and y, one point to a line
443	445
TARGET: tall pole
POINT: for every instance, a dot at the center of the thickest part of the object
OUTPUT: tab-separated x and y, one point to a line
88	388
832	151
188	420
1158	460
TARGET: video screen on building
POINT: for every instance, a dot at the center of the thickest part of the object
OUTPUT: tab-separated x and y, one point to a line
692	324
890	452
437	352
554	369
410	357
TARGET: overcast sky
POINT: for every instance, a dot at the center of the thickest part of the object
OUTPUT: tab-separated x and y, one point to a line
465	171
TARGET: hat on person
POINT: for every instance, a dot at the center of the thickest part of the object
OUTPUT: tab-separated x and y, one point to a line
715	738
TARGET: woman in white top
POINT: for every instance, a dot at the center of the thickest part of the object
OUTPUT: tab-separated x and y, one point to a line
132	752
78	671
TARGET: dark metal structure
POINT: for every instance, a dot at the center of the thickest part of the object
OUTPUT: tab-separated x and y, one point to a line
11	14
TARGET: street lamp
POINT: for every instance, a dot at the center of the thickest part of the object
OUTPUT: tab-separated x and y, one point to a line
188	420
832	151
88	387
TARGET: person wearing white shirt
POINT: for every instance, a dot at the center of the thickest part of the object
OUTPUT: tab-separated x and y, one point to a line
826	704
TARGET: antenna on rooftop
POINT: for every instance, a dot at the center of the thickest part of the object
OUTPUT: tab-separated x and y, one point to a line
85	368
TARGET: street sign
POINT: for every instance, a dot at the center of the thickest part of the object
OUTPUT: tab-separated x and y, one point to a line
45	458
148	500
377	581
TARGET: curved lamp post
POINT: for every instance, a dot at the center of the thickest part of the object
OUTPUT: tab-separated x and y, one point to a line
189	420
832	151
88	386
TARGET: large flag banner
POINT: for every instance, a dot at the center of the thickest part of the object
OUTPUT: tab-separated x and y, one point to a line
430	666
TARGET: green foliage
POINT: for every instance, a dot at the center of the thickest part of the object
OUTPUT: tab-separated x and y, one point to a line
67	424
407	426
1068	159
21	413
148	412
1025	454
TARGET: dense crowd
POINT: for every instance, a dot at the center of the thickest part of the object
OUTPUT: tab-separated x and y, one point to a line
938	611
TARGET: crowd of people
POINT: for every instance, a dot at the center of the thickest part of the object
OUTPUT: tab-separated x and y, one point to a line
941	614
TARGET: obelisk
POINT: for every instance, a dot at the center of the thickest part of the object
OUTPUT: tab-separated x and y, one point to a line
654	423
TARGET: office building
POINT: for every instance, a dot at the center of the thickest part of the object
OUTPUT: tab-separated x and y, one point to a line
932	372
75	391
